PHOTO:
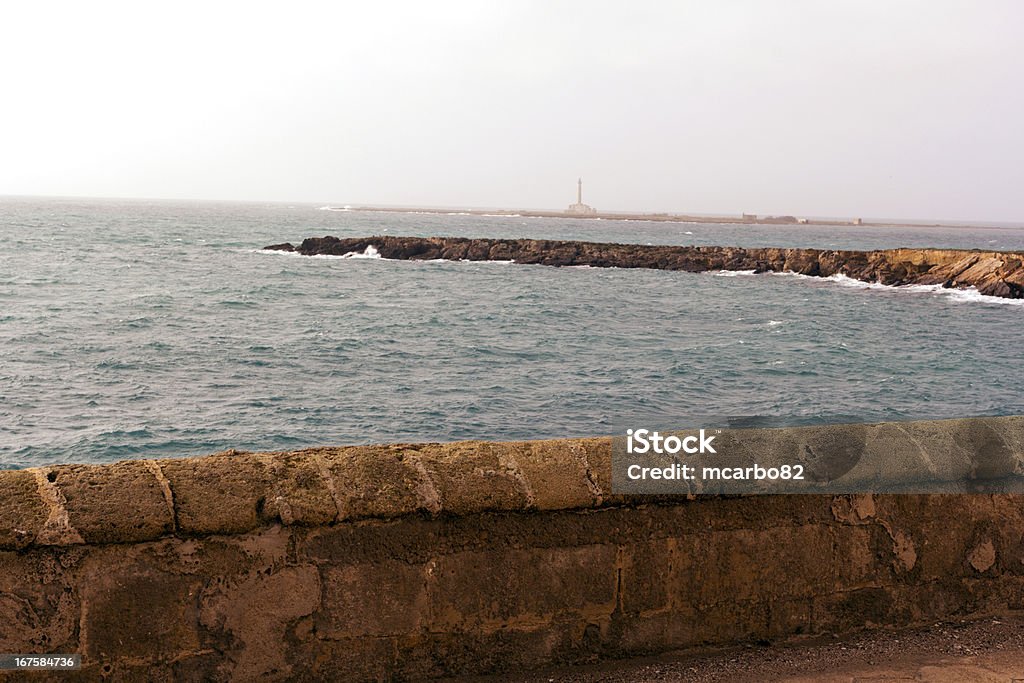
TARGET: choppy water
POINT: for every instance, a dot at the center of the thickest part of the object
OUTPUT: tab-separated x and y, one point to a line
141	329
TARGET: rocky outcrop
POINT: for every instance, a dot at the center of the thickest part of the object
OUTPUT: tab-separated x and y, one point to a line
998	274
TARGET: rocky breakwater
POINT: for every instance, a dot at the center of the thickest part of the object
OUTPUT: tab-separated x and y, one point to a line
998	274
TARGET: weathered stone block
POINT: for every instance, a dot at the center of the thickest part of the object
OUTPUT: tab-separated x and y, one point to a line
219	494
299	493
379	481
256	613
134	612
39	606
22	510
473	477
734	622
413	540
934	535
859	553
657	632
646	572
994	594
388	598
556	473
790	617
851	610
598	453
743	565
853	509
486	589
119	503
345	660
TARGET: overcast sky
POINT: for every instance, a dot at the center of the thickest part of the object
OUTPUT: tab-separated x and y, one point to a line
887	108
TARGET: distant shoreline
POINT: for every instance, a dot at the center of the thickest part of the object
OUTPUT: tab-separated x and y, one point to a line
653	217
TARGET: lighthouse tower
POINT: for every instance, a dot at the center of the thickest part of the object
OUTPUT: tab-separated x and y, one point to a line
579	208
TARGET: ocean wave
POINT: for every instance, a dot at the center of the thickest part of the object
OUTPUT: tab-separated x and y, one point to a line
369	252
734	273
967	294
335	208
274	252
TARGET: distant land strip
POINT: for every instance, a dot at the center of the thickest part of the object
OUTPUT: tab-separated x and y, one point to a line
743	219
992	273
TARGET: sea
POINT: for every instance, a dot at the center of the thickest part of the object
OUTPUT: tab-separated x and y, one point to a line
141	329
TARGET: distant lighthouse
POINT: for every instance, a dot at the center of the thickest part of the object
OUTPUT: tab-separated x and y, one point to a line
579	208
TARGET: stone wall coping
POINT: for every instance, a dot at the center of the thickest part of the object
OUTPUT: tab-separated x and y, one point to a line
235	492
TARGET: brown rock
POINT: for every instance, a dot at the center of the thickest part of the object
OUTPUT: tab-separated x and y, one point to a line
983	557
475	476
134	612
993	273
221	494
22	511
299	493
119	503
378	481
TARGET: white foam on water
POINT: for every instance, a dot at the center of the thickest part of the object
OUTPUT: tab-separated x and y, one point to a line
776	323
953	294
275	252
789	273
369	252
847	281
972	295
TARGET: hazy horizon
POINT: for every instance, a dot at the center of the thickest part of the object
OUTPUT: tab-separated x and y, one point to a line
338	206
850	109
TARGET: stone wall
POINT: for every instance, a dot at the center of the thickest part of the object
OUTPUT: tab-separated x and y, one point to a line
412	561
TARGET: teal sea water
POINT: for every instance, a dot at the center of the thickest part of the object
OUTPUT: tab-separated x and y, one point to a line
151	329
